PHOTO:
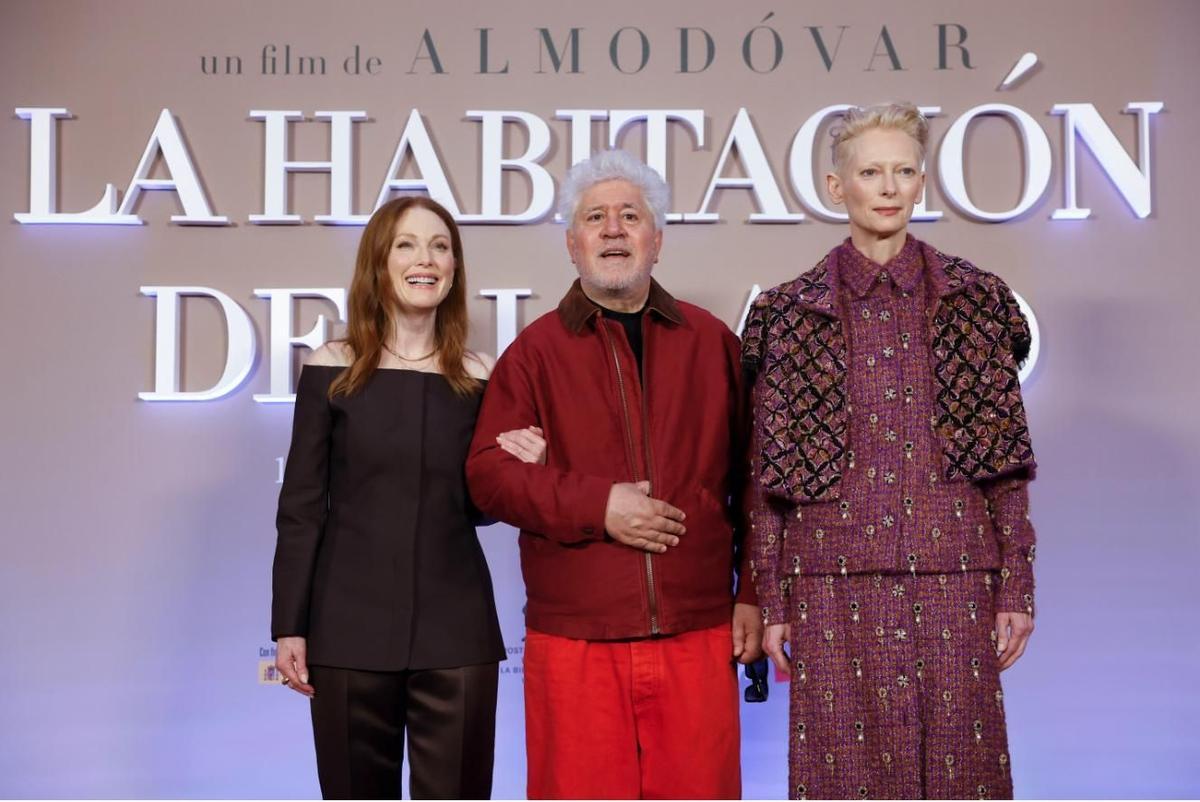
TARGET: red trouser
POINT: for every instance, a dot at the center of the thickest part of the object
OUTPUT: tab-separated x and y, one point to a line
644	719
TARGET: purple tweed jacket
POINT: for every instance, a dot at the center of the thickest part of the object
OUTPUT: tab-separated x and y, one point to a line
795	340
910	370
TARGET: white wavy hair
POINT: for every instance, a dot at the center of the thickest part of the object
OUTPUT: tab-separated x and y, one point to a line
610	165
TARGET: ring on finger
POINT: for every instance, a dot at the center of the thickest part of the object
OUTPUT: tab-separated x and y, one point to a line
286	681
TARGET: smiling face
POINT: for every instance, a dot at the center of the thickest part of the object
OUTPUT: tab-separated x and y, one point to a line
614	243
420	260
879	181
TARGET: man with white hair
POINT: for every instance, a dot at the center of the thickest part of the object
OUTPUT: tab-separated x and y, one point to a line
628	530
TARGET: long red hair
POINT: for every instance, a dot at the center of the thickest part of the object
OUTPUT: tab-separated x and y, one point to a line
373	300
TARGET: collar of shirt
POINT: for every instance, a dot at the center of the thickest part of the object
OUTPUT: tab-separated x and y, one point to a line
858	273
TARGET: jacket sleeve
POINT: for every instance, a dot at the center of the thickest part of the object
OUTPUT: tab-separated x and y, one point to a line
739	442
1008	496
767	533
1008	507
303	506
566	506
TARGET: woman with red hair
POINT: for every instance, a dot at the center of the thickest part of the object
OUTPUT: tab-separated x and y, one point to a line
383	607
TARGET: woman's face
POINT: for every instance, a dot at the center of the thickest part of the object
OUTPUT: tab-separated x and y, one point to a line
420	260
879	181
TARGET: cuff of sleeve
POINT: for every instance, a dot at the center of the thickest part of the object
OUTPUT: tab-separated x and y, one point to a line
773	604
1016	592
588	523
745	591
774	614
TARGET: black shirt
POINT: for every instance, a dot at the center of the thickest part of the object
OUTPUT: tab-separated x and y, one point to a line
632	323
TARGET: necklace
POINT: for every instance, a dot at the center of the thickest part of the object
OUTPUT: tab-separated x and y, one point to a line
388	348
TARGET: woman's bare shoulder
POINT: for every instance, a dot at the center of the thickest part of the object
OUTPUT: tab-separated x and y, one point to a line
335	353
478	364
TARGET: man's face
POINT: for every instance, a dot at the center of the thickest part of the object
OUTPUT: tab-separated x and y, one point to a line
613	241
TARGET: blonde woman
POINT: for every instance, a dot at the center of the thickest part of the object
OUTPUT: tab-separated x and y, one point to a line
892	552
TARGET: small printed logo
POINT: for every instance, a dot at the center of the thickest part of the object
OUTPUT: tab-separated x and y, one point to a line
268	674
515	664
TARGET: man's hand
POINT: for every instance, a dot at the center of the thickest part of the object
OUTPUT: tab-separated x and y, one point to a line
1012	635
747	633
641	522
291	661
527	445
774	642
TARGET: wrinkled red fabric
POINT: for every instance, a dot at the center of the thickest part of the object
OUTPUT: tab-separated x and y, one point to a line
655	718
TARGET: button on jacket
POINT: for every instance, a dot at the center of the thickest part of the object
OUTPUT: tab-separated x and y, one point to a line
677	423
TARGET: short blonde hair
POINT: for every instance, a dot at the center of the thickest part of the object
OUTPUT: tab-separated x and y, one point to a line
896	116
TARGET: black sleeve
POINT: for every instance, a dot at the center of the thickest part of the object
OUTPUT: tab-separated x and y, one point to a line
303	504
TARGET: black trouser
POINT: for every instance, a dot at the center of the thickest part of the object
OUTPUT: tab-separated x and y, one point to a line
360	719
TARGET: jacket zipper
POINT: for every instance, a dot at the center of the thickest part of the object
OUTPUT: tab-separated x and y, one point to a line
649	478
653	599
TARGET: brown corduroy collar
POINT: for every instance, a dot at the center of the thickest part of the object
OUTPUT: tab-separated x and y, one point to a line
575	309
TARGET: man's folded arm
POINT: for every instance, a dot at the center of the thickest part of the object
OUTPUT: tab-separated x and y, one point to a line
566	506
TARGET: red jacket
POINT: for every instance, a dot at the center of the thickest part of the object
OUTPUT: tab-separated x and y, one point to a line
573	373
